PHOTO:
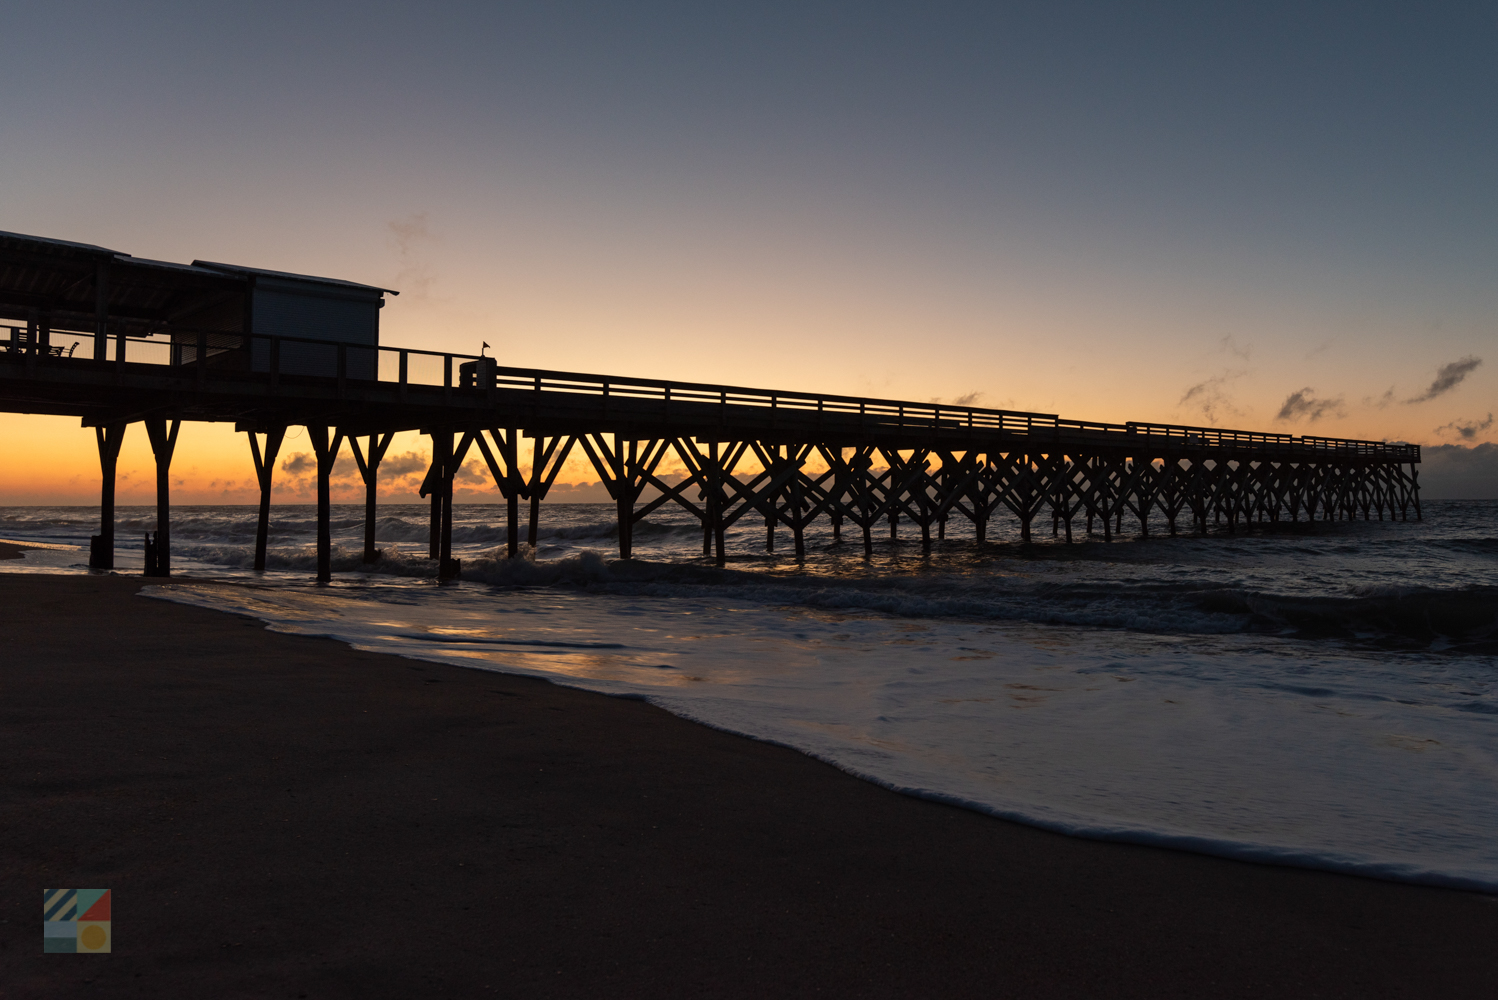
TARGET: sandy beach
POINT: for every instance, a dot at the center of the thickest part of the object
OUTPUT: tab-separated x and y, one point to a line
282	816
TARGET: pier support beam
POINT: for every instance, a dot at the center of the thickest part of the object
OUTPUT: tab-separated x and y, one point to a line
625	468
101	311
449	568
625	453
265	462
512	498
101	547
446	461
431	487
546	462
715	475
327	454
437	487
369	469
163	444
798	526
504	465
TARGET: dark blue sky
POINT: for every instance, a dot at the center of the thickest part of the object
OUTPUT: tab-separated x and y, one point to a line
1275	197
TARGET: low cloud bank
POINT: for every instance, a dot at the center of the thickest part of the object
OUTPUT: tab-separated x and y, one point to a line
1456	472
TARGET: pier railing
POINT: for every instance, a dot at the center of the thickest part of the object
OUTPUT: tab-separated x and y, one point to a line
273	358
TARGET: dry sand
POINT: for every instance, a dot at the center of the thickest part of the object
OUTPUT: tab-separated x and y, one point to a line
286	817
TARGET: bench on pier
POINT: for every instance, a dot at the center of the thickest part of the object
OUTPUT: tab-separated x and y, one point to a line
19	343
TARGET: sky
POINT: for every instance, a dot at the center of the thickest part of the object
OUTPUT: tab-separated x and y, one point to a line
1271	216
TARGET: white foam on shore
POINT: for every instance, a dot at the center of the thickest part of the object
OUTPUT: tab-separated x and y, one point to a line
1242	746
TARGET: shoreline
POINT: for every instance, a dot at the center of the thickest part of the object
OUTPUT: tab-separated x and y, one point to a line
1444	871
389	827
17	550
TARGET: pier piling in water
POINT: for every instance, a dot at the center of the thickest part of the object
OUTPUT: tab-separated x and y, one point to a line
326	453
369	471
265	463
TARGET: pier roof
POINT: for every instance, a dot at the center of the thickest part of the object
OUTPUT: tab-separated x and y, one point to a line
85	288
261	272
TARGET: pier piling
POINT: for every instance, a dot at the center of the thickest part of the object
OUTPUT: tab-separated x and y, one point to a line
369	471
163	444
265	463
326	452
101	547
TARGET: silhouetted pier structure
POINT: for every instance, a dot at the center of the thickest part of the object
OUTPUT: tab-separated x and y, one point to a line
167	343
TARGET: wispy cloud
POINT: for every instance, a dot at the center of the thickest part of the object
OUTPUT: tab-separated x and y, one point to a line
410	236
1381	402
966	399
1448	377
1229	344
1320	348
1466	430
1210	396
1304	405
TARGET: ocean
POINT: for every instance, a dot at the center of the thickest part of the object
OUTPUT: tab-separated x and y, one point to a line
1317	694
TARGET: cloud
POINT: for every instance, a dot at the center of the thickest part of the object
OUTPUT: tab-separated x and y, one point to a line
1381	402
410	236
966	399
344	466
299	463
1468	430
473	472
1320	348
1210	397
1232	347
1448	377
400	465
1304	404
410	231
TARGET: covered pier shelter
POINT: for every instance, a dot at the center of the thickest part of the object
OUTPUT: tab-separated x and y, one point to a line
61	300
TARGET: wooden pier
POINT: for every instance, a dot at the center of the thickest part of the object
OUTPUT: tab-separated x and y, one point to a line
787	457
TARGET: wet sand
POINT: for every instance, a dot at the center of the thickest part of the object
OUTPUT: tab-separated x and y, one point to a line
283	817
